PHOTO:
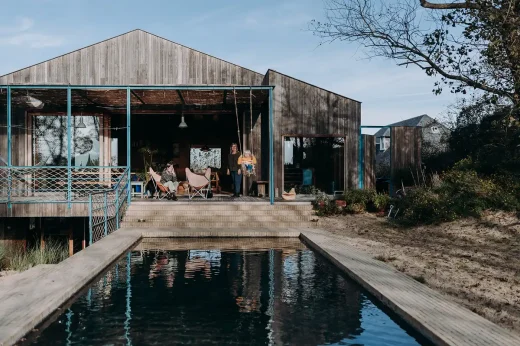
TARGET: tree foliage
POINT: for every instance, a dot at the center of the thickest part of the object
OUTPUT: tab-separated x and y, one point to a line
469	45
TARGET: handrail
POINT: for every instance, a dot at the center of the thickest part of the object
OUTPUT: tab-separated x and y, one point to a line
105	213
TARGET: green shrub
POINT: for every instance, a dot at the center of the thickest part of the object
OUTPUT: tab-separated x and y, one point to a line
355	208
324	205
381	201
461	192
359	196
422	205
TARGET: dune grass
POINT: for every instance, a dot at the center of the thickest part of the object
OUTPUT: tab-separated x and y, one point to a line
15	257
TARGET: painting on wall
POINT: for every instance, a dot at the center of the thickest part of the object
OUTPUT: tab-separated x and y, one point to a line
200	160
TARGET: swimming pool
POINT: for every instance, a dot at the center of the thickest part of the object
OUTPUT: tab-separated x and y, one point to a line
271	295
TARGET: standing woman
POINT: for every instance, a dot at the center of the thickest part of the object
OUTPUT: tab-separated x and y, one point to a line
234	169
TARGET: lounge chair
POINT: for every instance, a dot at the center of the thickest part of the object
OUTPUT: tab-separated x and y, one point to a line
161	191
199	184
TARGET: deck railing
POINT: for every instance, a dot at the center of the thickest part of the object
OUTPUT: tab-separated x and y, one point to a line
56	184
104	189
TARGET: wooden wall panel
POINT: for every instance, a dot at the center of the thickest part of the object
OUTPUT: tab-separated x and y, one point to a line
136	57
369	160
405	148
303	109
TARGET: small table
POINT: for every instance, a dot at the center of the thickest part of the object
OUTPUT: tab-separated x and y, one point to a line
134	191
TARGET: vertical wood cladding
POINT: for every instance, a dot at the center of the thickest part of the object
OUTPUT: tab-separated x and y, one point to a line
305	110
369	159
405	146
136	57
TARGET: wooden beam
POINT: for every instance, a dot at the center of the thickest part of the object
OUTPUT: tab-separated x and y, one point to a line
71	242
181	97
137	97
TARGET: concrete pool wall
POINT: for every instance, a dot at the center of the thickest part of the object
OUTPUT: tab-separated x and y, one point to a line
27	300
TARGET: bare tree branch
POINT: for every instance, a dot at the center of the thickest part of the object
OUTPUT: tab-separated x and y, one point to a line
449	6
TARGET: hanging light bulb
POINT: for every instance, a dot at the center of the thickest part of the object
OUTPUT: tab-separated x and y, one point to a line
205	149
81	124
183	124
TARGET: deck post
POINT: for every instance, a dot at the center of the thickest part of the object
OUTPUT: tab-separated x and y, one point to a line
69	147
9	147
271	149
128	142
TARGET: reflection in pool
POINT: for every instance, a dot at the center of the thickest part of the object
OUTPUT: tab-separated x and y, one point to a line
272	296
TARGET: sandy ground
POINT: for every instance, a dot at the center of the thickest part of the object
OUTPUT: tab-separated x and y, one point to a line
475	262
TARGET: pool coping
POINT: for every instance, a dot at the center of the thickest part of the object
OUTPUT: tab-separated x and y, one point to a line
431	314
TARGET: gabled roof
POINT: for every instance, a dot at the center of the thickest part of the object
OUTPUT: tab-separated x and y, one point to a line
135	57
421	120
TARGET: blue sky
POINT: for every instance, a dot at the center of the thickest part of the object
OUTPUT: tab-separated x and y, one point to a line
257	35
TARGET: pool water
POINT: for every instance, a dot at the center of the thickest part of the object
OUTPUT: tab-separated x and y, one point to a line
271	296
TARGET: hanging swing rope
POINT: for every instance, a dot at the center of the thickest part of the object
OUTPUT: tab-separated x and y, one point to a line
238	124
251	120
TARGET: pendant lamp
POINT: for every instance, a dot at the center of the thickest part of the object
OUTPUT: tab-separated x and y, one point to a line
183	124
81	124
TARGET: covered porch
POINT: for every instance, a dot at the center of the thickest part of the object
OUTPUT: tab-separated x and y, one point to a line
60	145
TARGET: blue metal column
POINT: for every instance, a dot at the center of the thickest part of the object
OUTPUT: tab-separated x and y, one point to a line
271	149
69	147
9	148
128	116
361	160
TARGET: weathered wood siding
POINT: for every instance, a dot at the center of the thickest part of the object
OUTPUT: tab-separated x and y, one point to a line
405	148
136	57
44	210
301	109
369	160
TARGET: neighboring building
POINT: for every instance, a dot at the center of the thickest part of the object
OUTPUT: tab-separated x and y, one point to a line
433	133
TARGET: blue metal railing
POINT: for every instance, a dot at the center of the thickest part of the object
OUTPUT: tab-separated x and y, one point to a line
107	208
56	184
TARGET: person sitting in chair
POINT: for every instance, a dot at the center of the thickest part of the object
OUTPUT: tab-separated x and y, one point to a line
169	179
248	162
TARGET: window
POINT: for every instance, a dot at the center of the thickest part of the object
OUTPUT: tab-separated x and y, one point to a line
435	129
384	143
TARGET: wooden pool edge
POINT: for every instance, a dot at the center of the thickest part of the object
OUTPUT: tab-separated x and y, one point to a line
429	313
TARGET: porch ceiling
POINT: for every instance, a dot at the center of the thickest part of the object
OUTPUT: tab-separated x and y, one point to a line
56	99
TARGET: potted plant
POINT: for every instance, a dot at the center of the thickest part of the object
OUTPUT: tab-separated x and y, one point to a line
148	154
380	202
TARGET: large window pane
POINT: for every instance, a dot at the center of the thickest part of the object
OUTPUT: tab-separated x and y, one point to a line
317	162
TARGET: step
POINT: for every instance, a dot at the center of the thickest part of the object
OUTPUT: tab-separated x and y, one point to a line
209	213
229	218
219	225
220	206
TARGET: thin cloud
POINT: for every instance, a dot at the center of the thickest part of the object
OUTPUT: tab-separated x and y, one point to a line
32	40
21	24
22	35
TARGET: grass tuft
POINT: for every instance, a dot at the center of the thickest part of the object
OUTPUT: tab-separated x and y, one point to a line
15	257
